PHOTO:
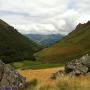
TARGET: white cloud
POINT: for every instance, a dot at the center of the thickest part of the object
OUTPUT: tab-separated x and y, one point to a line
45	16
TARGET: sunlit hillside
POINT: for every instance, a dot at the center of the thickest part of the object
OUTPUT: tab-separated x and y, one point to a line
74	45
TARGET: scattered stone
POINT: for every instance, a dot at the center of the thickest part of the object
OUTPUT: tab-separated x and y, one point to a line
57	74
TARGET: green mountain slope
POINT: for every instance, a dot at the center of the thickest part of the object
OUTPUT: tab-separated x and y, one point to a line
14	46
74	45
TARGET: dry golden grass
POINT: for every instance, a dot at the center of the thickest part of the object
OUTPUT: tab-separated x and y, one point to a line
63	83
75	83
42	75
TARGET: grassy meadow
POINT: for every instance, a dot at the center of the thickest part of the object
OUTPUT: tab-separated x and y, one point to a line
40	80
34	65
38	77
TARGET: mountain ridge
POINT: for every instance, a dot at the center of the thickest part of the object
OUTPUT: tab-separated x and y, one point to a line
14	46
45	40
74	45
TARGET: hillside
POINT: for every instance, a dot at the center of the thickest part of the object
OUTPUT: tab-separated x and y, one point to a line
74	45
14	46
45	40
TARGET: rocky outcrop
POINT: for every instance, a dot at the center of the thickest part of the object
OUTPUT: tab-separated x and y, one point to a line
9	77
79	66
75	67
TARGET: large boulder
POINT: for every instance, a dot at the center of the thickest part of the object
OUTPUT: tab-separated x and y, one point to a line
9	77
75	67
79	66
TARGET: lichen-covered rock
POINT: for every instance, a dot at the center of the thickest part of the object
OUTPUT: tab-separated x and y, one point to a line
75	67
79	66
9	77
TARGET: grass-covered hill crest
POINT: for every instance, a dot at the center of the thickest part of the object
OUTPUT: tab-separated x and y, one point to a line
74	45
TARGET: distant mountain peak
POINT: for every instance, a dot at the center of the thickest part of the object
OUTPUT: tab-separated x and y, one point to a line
3	23
45	40
80	25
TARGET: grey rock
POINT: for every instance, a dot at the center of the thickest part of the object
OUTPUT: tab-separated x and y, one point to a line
79	66
9	77
86	60
75	67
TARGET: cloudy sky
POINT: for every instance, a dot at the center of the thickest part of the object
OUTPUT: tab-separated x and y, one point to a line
45	16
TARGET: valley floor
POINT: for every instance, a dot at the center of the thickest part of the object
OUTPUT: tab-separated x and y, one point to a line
41	75
63	83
